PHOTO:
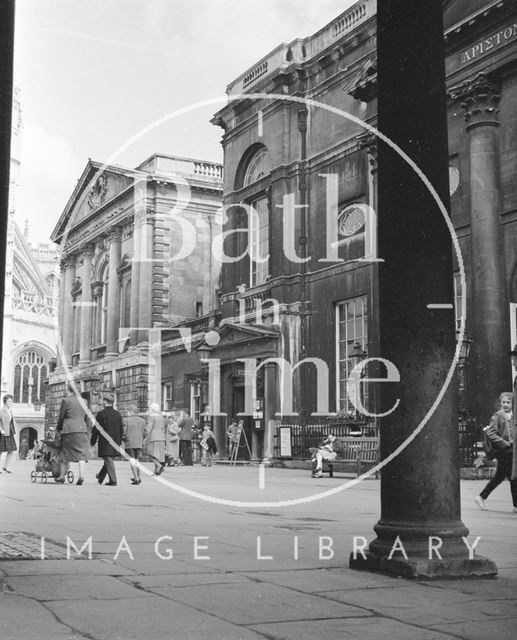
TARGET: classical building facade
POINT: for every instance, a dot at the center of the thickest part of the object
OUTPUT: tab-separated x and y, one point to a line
300	199
134	246
30	311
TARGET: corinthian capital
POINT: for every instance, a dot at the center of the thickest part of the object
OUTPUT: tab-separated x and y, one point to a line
479	98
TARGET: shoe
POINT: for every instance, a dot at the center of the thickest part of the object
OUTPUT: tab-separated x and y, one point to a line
160	470
133	481
7	470
98	479
60	480
515	509
80	481
317	474
111	484
480	503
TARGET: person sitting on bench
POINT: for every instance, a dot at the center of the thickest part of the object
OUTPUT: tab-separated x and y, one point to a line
328	450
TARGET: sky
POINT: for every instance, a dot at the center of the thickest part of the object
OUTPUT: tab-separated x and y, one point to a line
92	74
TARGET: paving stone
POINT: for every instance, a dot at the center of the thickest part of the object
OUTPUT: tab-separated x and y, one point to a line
481	630
75	587
24	619
424	606
259	603
349	629
63	568
154	617
184	579
318	580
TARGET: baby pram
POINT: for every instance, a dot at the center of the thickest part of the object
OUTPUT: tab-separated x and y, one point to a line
48	462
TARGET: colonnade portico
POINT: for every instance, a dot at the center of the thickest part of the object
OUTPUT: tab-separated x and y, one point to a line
92	290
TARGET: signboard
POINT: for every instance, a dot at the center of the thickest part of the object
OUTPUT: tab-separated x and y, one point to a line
285	442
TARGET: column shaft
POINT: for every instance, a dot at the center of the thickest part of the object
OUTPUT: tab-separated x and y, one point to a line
420	495
86	308
61	301
489	320
135	282
146	277
68	317
114	293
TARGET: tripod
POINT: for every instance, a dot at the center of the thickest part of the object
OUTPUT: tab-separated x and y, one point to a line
237	444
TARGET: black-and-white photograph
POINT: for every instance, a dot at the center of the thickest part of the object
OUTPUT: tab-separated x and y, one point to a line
259	332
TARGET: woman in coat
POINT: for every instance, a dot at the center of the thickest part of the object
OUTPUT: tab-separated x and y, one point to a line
155	438
7	431
73	428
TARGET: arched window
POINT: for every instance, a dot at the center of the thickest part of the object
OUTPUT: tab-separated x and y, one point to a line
258	166
30	371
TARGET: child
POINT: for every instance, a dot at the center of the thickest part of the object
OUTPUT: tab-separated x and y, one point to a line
500	432
208	446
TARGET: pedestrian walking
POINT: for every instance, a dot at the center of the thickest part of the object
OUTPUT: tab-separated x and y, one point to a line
172	452
155	438
133	436
501	432
7	432
208	446
186	425
73	429
110	421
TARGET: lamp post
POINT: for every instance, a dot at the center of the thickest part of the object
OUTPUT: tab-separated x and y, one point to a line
462	377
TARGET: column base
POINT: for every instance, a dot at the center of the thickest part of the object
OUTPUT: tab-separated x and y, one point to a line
425	569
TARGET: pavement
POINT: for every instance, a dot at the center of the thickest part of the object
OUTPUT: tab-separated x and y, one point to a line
227	553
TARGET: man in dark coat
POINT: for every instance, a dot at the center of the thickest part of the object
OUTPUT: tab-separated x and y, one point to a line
110	420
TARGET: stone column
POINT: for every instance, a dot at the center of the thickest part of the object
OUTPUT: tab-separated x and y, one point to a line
145	276
420	490
68	310
270	407
488	319
135	281
61	302
86	306
115	241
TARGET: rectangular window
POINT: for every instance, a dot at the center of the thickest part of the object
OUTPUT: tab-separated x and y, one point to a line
167	396
199	309
195	400
258	242
351	343
458	296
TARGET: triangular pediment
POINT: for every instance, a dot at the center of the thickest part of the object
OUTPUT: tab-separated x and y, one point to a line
98	185
236	333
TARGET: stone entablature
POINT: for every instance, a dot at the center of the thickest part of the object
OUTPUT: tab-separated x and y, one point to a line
302	50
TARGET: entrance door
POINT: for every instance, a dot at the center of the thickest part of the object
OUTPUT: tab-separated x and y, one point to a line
238	406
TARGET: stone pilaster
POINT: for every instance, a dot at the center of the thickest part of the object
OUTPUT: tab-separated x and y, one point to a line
135	281
115	240
145	288
86	306
61	301
68	318
489	367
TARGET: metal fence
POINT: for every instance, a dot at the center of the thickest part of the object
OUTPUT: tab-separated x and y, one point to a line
306	434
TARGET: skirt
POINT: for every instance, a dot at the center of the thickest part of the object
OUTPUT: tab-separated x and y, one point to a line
75	446
156	449
7	443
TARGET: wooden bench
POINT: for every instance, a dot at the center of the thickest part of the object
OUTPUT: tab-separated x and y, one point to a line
362	451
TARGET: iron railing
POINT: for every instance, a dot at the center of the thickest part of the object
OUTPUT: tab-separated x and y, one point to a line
307	433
